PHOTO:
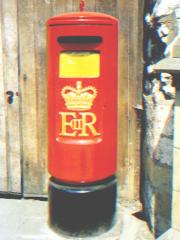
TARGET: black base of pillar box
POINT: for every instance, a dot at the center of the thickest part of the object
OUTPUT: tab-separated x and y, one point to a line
84	209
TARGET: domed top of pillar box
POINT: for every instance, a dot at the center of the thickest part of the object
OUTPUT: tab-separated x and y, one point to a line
79	18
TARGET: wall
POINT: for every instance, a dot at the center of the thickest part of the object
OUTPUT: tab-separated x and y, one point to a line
176	167
161	28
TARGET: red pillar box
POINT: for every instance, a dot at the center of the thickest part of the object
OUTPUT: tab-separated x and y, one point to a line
82	121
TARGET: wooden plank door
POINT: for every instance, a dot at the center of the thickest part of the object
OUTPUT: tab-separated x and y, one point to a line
23	91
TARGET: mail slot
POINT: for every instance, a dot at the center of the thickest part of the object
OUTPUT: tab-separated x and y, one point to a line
82	114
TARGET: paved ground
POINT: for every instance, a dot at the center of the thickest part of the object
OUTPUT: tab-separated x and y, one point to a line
172	234
27	220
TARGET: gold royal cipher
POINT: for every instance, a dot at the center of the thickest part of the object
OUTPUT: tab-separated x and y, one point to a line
78	123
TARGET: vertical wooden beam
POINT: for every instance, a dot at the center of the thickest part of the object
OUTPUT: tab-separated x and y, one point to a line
10	68
131	164
3	157
123	151
42	12
34	94
135	93
132	79
31	171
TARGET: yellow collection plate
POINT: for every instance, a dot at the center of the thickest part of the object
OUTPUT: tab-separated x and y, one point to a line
79	64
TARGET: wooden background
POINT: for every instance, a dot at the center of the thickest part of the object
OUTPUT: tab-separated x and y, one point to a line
23	91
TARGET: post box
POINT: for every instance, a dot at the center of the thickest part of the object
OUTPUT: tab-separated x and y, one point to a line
82	121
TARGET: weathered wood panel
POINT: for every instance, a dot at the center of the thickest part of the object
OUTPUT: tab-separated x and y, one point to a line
90	5
63	6
123	118
3	162
42	12
135	13
109	7
31	171
9	38
34	94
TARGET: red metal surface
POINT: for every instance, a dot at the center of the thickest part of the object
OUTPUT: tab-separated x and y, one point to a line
83	159
82	18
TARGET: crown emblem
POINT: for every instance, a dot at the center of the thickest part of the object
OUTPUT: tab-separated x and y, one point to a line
79	99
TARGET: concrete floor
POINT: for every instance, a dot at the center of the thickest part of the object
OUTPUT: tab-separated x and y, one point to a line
27	220
171	234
